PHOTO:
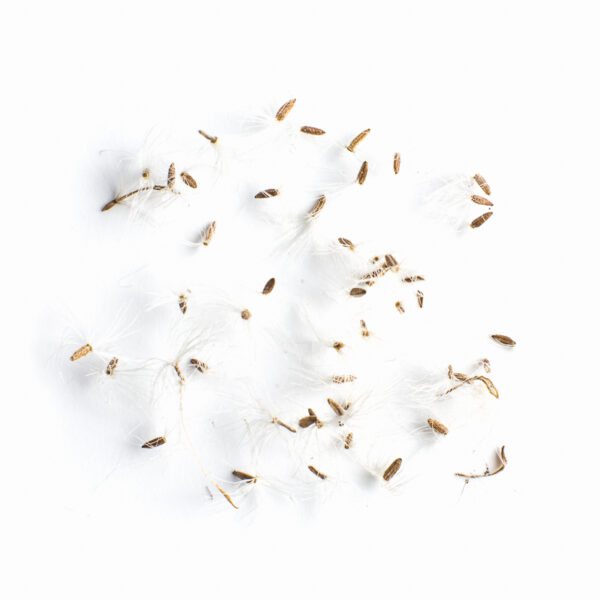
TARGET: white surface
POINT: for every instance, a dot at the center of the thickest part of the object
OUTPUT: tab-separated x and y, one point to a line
509	88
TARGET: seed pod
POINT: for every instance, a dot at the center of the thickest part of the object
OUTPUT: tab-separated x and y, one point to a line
209	232
396	163
155	442
348	441
399	306
317	473
346	243
413	278
392	469
188	180
278	422
343	378
268	193
81	352
112	365
357	292
183	306
210	138
335	407
244	476
363	329
199	365
283	111
479	221
420	298
318	206
481	200
246	314
357	140
362	173
482	183
437	426
338	346
307	421
269	286
171	176
311	130
503	339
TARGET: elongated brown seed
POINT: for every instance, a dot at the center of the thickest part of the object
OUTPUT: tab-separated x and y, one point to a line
318	206
420	298
392	469
399	306
307	421
479	221
357	292
183	305
346	243
268	193
437	426
244	476
188	180
487	472
199	365
343	378
283	111
482	183
311	130
81	352
396	163
316	472
209	232
171	176
211	138
269	286
155	442
348	441
284	425
362	173
112	365
357	140
503	339
246	314
481	200
335	407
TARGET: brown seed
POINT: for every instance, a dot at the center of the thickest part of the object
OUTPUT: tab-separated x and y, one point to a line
481	200
171	176
357	292
391	262
357	140
209	232
112	365
420	298
188	180
362	173
268	193
179	373
343	378
81	352
486	365
283	111
503	339
244	476
246	314
317	473
487	472
318	206
399	306
346	243
479	221
311	130
183	306
348	441
363	329
278	422
397	163
370	277
392	469
269	286
155	442
210	138
307	421
335	407
482	183
109	205
437	426
199	365
146	173
338	346
413	278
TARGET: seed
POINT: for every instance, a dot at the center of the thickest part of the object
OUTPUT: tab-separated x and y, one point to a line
307	421
335	407
109	205
482	183
188	180
209	232
357	292
269	286
396	163
146	173
112	365
357	140
171	176
488	384
282	113
481	200
370	277
348	441
210	138
338	346
246	314
503	339
413	278
278	422
311	130
437	426
179	373
183	306
363	329
362	173
317	473
392	469
318	206
343	378
399	306
244	476
81	352
346	243
420	298
155	442
268	193
199	365
391	262
479	221
486	365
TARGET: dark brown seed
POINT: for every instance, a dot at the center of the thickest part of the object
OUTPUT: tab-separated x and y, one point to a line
390	262
503	339
335	407
278	422
179	373
318	206
392	469
343	378
269	286
282	113
346	243
482	183
244	476
112	365
481	200
317	473
487	472
338	346
357	292
363	329
362	173
171	176
311	130
209	232
399	306
81	352
210	138
246	314
437	426
413	278
357	140
188	180
155	442
199	365
307	421
268	193
420	298
348	441
183	303
479	221
486	365
396	163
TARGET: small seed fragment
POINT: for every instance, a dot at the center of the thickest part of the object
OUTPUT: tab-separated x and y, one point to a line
81	352
482	183
199	365
357	292
346	243
212	139
392	469
268	193
437	426
112	365
317	473
486	365
413	278
357	140
335	407
183	305
283	111
338	346
481	200
420	298
246	314
362	173
278	422
479	221
155	442
396	163
348	441
146	173
269	286
311	130
503	339
343	378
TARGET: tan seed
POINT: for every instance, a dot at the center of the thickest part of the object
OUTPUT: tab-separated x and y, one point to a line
81	352
171	176
335	407
362	173
479	221
312	130
209	232
420	298
246	314
268	193
481	200
346	243
282	113
357	292
482	183
199	365
503	339
269	286
399	306
112	365
155	442
437	426
348	441
396	163
244	476
317	473
343	378
357	140
212	139
318	206
188	180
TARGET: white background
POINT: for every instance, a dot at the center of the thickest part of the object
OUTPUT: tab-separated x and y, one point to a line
508	85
